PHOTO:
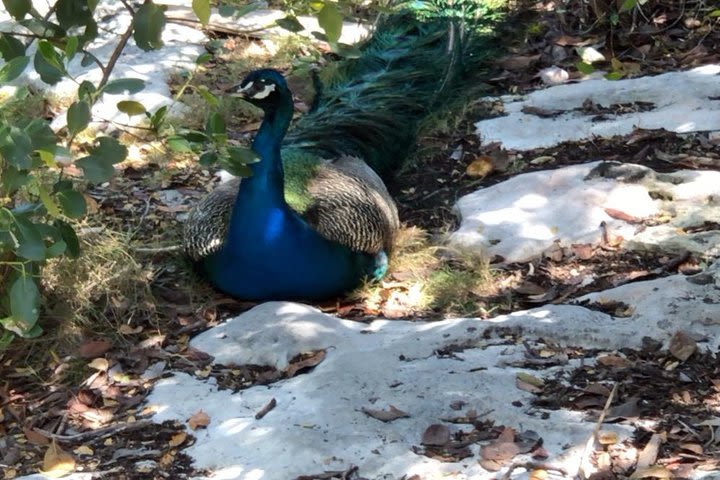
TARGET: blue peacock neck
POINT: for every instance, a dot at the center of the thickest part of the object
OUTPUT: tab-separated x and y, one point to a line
267	181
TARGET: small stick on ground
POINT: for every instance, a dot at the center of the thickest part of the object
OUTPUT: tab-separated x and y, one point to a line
97	434
593	437
266	409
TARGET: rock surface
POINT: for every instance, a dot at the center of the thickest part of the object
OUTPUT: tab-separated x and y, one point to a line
694	107
318	423
521	218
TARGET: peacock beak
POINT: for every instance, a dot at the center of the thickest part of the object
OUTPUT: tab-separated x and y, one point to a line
241	91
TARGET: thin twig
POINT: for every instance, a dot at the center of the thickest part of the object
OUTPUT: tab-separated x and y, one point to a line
128	7
116	55
171	248
99	433
591	441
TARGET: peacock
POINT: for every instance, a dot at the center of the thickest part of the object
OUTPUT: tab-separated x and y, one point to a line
315	219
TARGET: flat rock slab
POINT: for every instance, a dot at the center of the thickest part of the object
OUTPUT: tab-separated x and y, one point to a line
318	423
523	217
678	101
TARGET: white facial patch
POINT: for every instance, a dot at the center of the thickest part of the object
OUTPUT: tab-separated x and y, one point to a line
264	92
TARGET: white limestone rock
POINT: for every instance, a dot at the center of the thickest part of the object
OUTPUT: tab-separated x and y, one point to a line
692	106
524	216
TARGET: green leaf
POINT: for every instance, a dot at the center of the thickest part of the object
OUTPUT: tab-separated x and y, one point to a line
10	181
25	302
211	99
43	28
41	135
56	249
48	73
131	107
122	85
203	58
6	338
235	168
78	117
98	166
584	68
149	22
195	137
48	202
7	219
614	76
72	13
87	60
86	92
714	14
72	203
71	46
12	69
202	10
10	47
18	8
215	126
233	11
31	243
243	155
16	147
176	143
208	158
331	21
69	237
628	5
290	23
158	118
50	55
237	160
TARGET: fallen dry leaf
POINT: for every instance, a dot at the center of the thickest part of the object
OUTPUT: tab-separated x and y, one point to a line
499	451
695	448
83	450
648	455
436	434
614	361
388	415
682	346
607	438
200	419
100	364
538	474
656	471
177	439
481	166
57	463
625	217
93	348
128	330
528	383
35	437
311	361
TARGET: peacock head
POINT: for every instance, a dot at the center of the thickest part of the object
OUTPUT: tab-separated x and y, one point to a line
265	88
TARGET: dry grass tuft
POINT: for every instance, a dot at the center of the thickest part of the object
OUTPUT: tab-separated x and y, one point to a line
426	278
100	291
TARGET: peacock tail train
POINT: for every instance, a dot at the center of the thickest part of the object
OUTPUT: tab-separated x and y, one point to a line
334	161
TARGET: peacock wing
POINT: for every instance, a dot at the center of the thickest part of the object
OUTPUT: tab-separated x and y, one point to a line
350	204
206	228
